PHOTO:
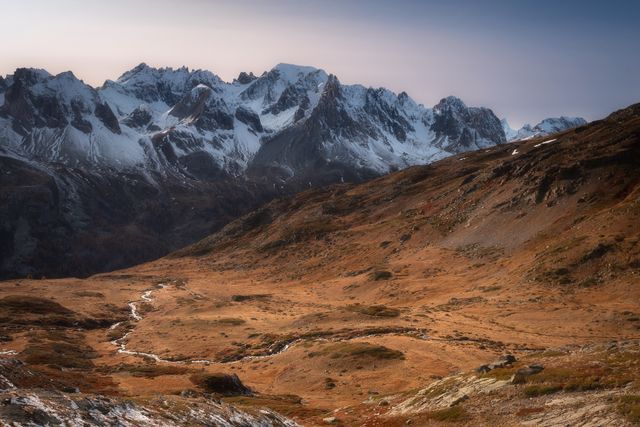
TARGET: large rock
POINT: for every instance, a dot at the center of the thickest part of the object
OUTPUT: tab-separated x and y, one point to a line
522	373
222	384
503	362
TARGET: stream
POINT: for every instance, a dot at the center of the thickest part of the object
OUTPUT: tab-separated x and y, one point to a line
147	296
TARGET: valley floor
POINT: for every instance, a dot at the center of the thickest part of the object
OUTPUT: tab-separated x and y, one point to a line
337	347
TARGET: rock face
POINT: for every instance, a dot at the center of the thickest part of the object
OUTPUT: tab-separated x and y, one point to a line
545	127
245	124
448	392
244	78
31	398
356	133
464	128
167	156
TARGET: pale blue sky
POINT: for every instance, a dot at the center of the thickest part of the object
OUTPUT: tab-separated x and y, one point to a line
525	59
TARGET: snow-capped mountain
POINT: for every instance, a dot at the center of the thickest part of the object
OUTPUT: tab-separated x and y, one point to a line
176	120
356	132
161	157
545	127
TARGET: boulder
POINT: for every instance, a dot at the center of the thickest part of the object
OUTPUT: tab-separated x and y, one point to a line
503	362
222	384
522	373
189	393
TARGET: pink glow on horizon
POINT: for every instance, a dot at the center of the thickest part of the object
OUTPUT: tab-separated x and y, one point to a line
427	58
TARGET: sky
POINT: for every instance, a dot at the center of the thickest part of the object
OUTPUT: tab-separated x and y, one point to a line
525	59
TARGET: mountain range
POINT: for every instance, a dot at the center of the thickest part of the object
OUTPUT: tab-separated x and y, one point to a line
545	127
159	158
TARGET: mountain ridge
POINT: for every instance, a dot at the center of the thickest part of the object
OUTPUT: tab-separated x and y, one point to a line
103	160
545	127
146	95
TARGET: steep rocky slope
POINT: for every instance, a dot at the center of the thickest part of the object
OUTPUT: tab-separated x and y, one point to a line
524	186
71	221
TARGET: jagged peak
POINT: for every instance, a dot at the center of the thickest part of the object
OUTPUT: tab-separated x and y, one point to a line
30	75
292	73
245	78
138	69
332	84
450	102
141	66
294	68
143	72
67	75
406	101
388	97
65	86
331	91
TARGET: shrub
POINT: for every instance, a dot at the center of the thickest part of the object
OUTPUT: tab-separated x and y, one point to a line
380	275
629	406
453	414
537	390
359	350
374	310
32	305
230	321
250	297
152	370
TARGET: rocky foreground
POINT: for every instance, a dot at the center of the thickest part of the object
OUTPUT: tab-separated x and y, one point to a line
593	385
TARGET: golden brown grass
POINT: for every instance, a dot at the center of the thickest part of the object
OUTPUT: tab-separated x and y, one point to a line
358	350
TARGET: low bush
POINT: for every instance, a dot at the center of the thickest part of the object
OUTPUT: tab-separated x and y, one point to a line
374	310
358	350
